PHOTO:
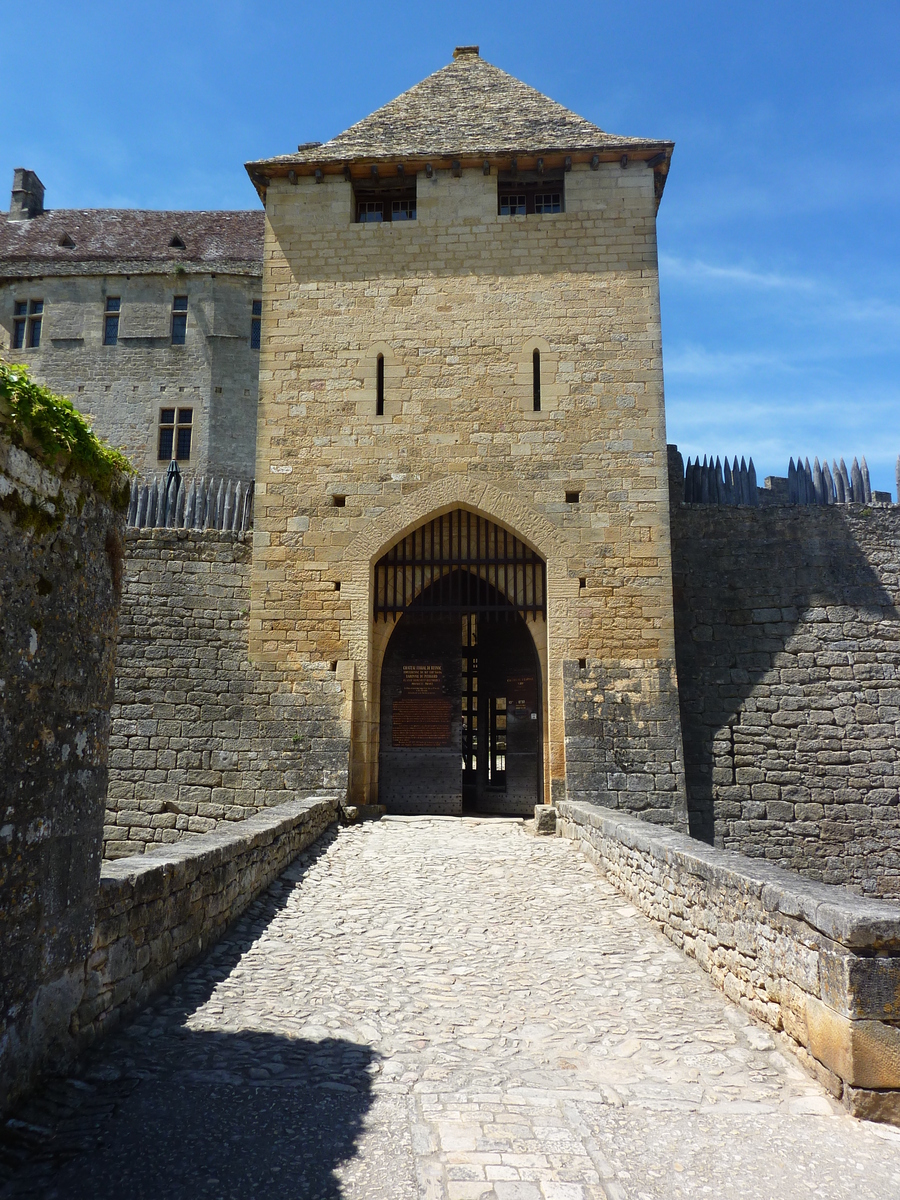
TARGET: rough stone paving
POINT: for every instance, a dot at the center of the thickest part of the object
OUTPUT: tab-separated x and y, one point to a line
440	1008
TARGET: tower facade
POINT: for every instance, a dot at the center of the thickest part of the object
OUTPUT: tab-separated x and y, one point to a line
462	503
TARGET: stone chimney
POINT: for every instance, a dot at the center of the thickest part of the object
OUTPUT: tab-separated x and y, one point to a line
27	198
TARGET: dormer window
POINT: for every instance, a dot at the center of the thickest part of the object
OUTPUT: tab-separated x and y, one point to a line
176	243
380	200
66	242
526	192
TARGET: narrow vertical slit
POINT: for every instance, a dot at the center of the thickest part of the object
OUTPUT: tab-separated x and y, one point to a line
536	375
379	386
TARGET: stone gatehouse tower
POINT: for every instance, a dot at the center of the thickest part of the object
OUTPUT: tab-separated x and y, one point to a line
462	502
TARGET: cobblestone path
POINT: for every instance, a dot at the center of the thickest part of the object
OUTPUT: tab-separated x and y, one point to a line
436	1008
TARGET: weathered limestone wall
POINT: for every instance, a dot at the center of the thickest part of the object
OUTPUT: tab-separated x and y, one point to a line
456	301
199	735
124	386
788	651
811	960
60	565
159	910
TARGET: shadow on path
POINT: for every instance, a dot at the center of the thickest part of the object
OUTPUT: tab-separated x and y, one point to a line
161	1110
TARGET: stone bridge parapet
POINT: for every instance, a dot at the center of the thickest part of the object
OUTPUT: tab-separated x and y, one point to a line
157	911
814	961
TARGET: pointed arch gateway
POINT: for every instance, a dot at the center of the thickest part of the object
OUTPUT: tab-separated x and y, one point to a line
461	686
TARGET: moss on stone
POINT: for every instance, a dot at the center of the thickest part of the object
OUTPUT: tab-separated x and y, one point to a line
52	429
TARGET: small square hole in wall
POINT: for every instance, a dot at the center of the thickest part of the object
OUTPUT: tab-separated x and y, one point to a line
573	497
334	665
582	583
339	501
337	585
218	391
582	664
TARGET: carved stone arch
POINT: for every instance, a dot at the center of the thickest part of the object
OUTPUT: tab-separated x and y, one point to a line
366	642
434	499
551	390
367	374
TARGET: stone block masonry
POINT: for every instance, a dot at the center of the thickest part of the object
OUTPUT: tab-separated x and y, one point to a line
60	567
199	735
813	961
159	910
788	652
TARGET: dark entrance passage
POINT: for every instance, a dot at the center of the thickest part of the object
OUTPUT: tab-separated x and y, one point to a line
461	679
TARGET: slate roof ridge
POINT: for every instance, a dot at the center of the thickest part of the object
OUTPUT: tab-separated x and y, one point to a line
468	107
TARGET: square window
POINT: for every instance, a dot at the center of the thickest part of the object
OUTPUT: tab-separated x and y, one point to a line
512	206
113	304
20	308
385	200
526	192
37	307
167	416
257	308
547	202
179	304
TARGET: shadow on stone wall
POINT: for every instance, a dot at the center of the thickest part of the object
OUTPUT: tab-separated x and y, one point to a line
788	656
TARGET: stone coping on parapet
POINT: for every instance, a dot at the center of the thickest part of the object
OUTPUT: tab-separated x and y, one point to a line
177	863
169	533
157	911
832	910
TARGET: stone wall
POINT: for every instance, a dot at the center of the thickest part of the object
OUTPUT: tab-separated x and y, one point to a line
623	741
158	910
60	566
456	302
811	960
199	734
788	654
124	387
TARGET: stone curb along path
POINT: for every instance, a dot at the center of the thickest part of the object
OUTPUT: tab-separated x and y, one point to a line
428	1009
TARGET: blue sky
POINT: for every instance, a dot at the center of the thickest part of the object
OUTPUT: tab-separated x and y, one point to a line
778	233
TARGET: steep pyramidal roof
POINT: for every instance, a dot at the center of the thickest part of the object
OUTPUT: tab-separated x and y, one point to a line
467	108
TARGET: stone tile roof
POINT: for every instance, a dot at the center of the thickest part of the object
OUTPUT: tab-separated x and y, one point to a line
124	234
467	108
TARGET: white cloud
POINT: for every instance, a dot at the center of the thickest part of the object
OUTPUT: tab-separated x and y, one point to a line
698	272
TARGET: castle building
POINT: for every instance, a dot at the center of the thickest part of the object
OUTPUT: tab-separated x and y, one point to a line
462	500
148	320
